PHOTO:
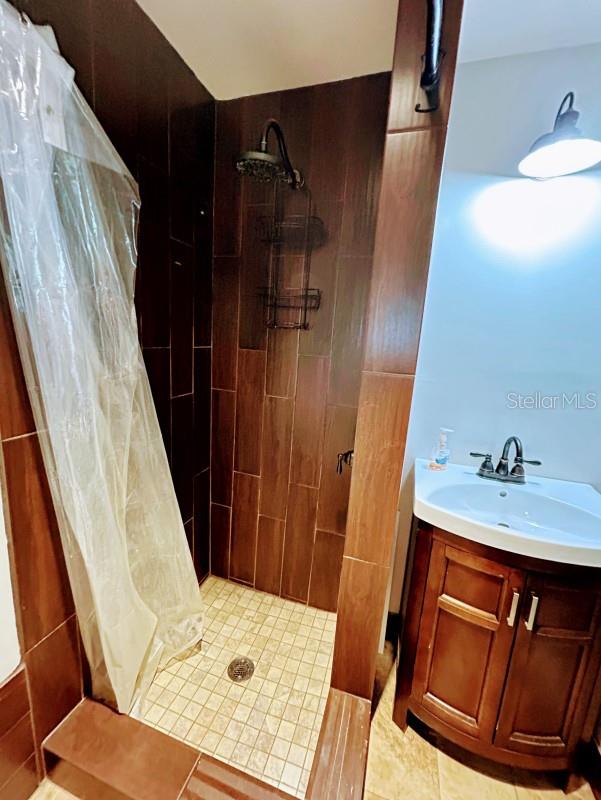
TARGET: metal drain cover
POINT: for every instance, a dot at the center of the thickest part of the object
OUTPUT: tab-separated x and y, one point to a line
241	669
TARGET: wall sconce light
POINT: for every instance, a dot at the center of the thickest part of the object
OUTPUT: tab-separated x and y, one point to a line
563	151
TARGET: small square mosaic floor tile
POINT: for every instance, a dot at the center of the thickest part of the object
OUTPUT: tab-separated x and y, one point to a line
267	725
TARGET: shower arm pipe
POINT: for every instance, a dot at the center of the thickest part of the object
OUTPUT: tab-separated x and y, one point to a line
273	125
432	58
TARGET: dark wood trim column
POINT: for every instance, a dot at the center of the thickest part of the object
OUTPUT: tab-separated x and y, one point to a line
412	166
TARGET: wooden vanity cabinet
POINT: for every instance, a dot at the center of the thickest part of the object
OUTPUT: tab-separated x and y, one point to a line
500	653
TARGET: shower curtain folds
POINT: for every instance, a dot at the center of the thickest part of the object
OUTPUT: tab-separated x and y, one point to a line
68	222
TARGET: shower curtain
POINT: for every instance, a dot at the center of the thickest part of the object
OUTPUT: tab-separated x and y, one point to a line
68	221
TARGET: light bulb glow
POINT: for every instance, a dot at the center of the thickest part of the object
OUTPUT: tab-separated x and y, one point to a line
563	157
529	219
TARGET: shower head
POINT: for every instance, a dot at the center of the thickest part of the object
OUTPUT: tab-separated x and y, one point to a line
261	165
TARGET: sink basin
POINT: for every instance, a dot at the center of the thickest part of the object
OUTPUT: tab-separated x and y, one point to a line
545	518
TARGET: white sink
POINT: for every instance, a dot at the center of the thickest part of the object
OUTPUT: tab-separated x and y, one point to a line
544	518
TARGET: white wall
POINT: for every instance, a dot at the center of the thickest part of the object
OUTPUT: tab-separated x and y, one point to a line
514	291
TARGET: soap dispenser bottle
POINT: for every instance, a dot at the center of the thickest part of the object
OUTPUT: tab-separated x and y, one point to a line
440	452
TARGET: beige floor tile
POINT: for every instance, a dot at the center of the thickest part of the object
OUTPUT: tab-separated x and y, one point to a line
399	764
49	791
460	782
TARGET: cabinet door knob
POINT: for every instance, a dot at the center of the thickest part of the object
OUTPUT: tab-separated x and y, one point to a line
514	607
532	614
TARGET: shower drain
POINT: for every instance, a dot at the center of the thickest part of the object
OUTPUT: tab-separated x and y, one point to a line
241	669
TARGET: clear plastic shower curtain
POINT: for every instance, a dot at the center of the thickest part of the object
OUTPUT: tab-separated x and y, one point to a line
67	245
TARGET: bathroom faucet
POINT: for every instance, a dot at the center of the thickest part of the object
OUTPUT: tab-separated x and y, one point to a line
502	473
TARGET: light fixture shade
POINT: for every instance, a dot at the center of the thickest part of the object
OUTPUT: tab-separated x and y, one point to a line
563	151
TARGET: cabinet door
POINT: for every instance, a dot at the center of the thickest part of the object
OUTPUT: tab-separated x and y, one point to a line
553	667
465	639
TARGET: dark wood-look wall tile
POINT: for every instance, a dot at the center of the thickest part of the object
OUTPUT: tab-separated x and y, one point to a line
366	132
153	257
182	317
408	65
334	488
275	464
282	352
329	143
157	361
249	411
228	197
222	446
245	512
182	459
318	339
203	286
202	523
412	165
14	701
379	449
298	542
221	518
116	52
225	322
55	678
352	294
325	572
23	782
41	574
360	604
309	419
16	747
270	547
202	408
152	69
15	410
254	276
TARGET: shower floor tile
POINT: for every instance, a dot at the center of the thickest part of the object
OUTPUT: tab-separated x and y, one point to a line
268	725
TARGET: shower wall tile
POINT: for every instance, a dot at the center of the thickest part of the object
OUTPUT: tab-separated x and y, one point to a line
245	510
225	322
202	523
157	363
254	275
154	256
298	543
325	570
249	411
309	419
44	593
350	323
335	136
275	464
367	112
221	517
222	445
334	488
182	317
282	351
270	548
152	69
202	409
